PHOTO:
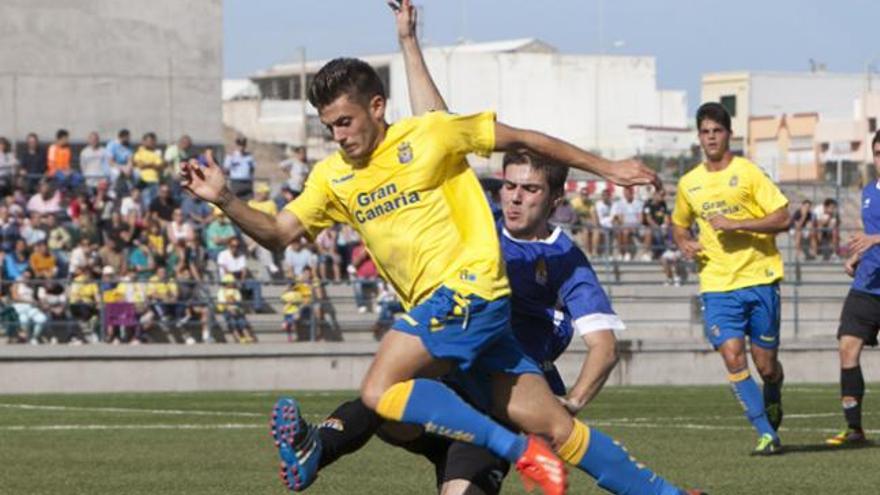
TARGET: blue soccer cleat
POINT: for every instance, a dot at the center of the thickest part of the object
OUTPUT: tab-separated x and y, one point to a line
299	446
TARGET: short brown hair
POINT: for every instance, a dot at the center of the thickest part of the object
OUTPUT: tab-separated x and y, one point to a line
555	172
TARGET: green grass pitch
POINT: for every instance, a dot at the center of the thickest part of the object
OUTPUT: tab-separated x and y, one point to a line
218	443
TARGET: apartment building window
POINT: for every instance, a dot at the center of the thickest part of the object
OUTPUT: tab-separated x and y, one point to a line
729	104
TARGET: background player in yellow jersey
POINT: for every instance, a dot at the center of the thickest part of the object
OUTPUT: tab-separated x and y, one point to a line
739	211
409	192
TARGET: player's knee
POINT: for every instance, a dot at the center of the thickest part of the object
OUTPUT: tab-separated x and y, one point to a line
371	392
734	360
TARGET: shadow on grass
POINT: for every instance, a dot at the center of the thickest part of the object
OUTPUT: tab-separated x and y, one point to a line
822	448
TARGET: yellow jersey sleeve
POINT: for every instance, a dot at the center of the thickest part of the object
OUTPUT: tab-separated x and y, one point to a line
316	208
768	197
463	134
682	213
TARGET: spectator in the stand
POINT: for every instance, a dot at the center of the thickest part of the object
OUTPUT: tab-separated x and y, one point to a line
140	259
93	161
34	230
33	162
60	242
803	228
162	298
119	230
16	262
284	197
584	225
233	261
297	296
261	202
45	200
135	292
628	213
196	257
113	255
217	234
192	304
178	229
103	203
9	229
328	254
196	212
603	237
229	303
176	153
297	168
8	166
149	164
30	317
389	308
132	208
83	297
58	162
298	256
53	301
120	155
346	240
365	275
656	222
156	242
828	229
162	206
42	263
239	165
564	216
82	257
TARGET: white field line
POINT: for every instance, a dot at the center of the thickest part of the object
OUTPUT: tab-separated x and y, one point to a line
132	410
227	426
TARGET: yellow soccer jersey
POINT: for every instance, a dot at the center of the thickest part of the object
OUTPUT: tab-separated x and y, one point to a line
731	260
418	206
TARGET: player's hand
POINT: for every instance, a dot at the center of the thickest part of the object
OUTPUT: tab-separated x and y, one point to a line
406	17
632	172
206	182
849	266
570	405
722	223
861	242
690	248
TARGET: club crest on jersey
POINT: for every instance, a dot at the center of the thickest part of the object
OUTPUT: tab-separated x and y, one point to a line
404	153
541	272
734	181
867	203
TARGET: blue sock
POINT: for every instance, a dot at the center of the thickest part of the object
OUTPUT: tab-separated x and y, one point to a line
749	395
442	412
614	469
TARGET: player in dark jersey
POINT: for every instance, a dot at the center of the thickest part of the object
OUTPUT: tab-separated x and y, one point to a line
860	317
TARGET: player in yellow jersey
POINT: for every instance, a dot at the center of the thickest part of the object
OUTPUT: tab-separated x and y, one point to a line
410	194
739	211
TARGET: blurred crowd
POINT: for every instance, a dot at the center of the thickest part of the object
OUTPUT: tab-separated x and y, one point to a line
102	244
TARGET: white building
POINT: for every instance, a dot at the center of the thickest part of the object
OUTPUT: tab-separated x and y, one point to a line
593	101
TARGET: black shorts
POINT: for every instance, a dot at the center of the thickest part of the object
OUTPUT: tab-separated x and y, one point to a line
457	461
860	316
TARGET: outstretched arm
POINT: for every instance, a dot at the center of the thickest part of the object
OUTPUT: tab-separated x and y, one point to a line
423	94
629	172
209	183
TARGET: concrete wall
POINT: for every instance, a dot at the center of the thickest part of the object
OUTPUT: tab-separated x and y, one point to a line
106	64
342	366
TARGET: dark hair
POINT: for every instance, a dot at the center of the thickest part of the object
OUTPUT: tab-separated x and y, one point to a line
806	202
123	133
62	133
241	141
5	143
875	141
350	76
150	135
556	173
829	202
715	112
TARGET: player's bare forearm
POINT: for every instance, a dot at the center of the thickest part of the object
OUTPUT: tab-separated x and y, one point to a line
272	232
423	93
600	361
511	138
775	222
681	236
